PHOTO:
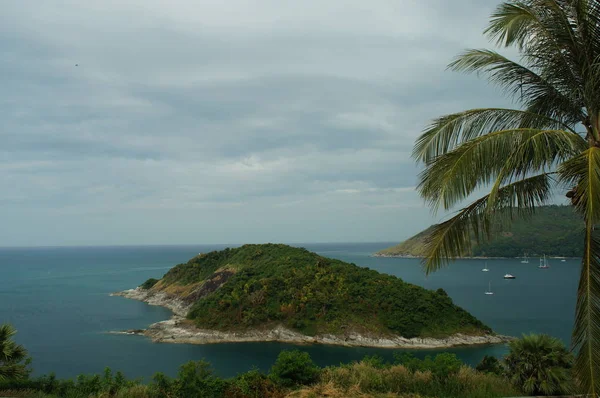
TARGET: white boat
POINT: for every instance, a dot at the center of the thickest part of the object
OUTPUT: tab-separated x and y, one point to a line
489	291
543	263
485	268
563	260
509	276
525	260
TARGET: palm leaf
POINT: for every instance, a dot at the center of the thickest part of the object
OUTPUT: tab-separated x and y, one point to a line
538	152
452	177
452	238
547	36
447	132
539	94
584	170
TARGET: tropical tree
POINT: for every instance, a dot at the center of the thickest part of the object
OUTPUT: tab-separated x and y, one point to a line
13	357
539	365
552	141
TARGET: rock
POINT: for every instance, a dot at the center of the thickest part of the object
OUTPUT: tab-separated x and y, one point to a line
176	330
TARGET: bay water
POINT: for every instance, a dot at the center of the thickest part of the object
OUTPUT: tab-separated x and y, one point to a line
58	299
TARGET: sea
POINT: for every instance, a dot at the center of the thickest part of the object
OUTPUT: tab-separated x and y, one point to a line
58	299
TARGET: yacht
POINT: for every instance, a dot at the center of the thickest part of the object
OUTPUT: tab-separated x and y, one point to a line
509	276
489	291
543	263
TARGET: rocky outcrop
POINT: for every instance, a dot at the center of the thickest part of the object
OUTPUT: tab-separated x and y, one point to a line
152	297
179	330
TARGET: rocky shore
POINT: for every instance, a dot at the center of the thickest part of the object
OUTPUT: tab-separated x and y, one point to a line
179	330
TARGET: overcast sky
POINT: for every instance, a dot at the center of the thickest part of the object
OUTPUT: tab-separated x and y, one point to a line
192	121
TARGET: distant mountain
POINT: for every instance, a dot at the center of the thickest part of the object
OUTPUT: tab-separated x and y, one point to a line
552	230
258	286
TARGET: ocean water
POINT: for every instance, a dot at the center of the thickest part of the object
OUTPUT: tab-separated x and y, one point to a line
58	299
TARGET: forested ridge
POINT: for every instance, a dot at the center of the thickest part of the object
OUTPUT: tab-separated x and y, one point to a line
552	230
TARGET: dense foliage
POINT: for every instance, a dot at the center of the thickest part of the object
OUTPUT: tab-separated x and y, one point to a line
551	230
13	356
294	368
149	283
293	375
257	285
539	365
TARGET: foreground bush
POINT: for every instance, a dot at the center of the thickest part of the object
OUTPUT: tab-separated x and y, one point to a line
427	378
13	357
293	375
540	365
293	368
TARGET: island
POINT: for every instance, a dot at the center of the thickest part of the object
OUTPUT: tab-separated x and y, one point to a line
275	292
556	231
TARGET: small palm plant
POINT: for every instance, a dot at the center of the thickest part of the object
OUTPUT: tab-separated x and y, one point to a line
552	140
13	357
539	365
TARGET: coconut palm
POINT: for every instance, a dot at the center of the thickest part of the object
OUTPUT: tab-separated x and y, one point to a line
13	357
522	155
539	365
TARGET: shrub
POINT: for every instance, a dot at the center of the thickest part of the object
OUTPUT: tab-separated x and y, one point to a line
489	364
539	365
149	283
196	379
252	384
293	368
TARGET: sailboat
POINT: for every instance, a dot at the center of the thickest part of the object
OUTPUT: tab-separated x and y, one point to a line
543	263
525	260
489	291
485	268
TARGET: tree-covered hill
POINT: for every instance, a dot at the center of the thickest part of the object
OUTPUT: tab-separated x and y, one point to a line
552	230
257	286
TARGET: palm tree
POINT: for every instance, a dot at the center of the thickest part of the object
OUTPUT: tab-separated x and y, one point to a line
13	357
539	365
551	141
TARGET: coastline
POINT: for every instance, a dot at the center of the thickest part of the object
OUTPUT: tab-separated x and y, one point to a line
467	257
178	330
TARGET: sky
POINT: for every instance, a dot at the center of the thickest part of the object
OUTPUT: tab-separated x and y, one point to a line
196	122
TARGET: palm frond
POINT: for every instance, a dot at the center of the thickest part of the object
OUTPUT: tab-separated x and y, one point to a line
528	23
584	171
539	94
548	37
452	177
538	152
453	238
447	132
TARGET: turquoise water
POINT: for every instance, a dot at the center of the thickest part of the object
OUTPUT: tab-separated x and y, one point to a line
58	300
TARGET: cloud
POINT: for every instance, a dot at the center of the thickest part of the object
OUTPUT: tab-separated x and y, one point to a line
223	121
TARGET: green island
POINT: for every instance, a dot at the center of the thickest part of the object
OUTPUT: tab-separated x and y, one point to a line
555	231
259	288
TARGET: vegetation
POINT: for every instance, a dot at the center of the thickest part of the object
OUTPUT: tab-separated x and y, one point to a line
551	230
256	286
540	365
535	365
294	368
149	283
13	357
521	155
292	375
